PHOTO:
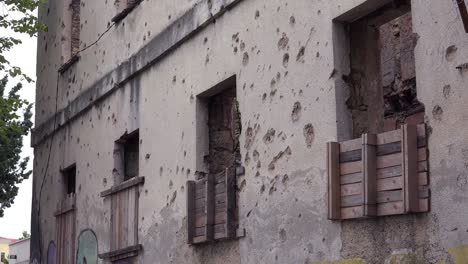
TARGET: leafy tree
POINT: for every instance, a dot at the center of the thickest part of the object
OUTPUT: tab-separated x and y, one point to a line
18	16
26	235
13	127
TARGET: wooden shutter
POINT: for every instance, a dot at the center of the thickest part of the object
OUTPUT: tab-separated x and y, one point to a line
65	217
211	208
377	175
124	219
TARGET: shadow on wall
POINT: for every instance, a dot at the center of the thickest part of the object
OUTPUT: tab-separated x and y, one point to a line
457	255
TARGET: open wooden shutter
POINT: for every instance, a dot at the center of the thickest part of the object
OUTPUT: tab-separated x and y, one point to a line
377	175
211	208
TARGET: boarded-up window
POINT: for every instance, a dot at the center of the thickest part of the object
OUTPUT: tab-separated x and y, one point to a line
378	175
211	208
65	218
124	219
211	200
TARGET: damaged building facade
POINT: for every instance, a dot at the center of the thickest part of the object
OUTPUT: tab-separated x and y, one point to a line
251	131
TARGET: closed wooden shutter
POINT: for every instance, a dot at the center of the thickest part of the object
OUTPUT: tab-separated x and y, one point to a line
378	175
65	217
211	208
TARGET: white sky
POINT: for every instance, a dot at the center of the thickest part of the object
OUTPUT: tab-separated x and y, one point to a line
17	218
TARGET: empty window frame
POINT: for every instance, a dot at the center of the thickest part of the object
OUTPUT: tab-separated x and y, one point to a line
69	179
383	170
124	7
71	27
211	200
126	156
378	82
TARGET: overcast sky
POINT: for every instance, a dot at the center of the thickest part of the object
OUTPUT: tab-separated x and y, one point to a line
17	218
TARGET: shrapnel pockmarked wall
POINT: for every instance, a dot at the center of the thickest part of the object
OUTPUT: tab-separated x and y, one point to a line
177	90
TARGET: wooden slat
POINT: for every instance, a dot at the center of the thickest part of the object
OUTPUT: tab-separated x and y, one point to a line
390	148
125	185
210	207
396	208
190	211
422	166
349	156
388	137
350	145
410	169
351	189
352	200
369	156
231	198
423	178
333	170
350	167
351	178
390	172
351	212
389	160
389	196
390	183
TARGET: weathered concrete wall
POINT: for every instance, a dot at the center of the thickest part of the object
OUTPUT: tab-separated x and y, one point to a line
284	59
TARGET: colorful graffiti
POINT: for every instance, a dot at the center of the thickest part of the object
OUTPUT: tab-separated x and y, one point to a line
51	253
87	248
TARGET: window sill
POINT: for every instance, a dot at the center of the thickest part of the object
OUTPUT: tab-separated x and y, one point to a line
125	12
123	253
123	186
69	63
66	205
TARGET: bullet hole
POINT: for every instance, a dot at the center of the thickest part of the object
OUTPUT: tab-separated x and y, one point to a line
247	158
451	53
174	196
245	59
285	179
104	182
242	46
292	20
257	14
235	37
207	59
447	91
262	188
280	155
161	170
272	190
192	98
437	113
257	174
146	191
300	54
148	156
461	181
264	97
285	60
242	185
171	184
309	135
259	164
205	40
282	235
296	112
174	79
283	42
256	155
235	50
269	136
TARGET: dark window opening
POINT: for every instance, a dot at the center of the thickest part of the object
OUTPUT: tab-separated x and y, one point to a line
69	175
127	158
224	130
382	77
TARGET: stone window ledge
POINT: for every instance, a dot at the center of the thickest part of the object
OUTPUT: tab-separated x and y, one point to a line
122	14
75	58
123	186
128	252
